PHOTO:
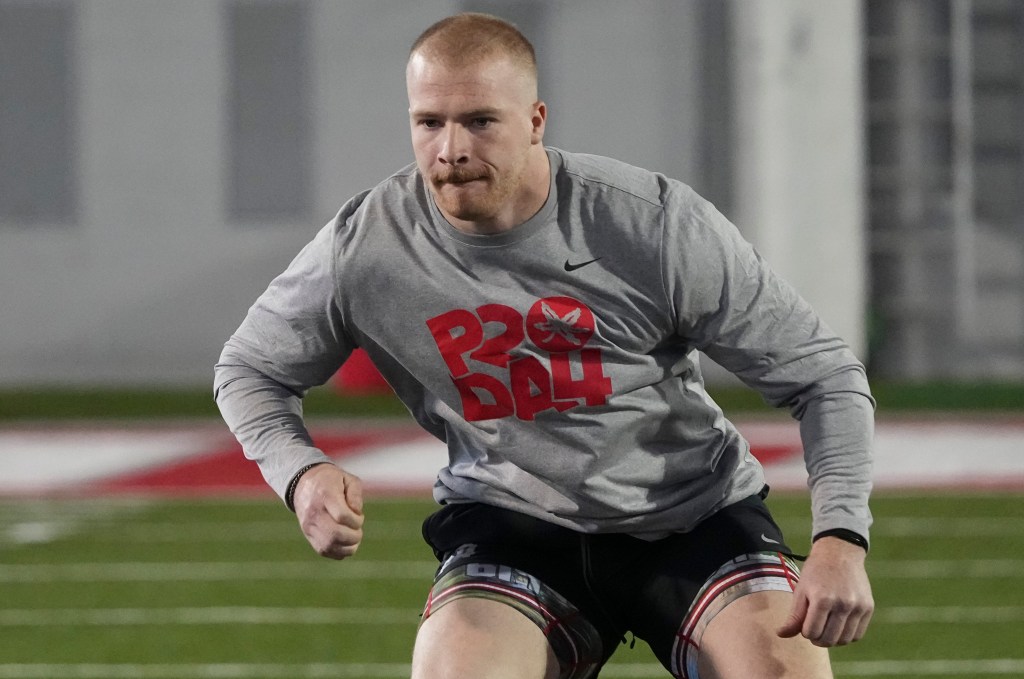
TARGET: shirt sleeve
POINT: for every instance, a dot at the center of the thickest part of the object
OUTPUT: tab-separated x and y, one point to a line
291	340
733	307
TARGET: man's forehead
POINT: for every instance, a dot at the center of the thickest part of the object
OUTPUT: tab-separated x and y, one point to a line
424	69
471	87
461	97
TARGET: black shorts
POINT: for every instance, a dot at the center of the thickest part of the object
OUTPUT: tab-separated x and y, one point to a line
619	583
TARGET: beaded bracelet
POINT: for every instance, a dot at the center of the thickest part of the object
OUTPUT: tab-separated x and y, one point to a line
289	494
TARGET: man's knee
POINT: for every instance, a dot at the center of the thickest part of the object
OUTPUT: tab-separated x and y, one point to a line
741	641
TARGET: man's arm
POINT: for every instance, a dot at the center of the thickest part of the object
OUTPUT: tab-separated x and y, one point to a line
831	399
744	316
291	340
833	603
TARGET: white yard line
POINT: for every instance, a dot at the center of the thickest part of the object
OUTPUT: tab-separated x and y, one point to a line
862	668
924	527
975	526
42	530
956	615
36	529
256	615
169	532
217	571
931	668
40	522
220	615
202	671
408	570
922	569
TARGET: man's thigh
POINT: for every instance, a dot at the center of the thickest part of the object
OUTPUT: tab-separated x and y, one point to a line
741	641
474	637
690	579
526	566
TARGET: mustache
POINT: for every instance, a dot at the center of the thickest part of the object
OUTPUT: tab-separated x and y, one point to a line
458	175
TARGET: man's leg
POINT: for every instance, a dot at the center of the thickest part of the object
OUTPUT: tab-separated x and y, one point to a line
741	642
482	639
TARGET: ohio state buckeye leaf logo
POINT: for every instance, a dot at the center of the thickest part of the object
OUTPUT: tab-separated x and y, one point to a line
561	330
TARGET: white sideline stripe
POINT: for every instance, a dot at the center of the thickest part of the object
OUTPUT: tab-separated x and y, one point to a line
959	615
906	453
921	527
46	460
164	532
861	668
222	615
215	571
222	532
246	531
253	615
407	570
905	526
44	522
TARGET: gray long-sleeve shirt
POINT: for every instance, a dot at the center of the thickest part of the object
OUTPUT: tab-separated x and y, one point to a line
558	360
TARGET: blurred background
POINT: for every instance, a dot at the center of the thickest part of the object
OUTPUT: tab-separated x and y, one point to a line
161	161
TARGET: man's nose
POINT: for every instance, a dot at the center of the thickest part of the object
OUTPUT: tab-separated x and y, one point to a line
455	147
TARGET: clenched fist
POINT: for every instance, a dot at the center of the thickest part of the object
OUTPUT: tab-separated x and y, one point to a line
329	505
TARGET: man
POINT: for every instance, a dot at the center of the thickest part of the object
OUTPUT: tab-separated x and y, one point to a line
541	312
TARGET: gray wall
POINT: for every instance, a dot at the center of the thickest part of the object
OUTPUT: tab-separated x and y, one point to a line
192	147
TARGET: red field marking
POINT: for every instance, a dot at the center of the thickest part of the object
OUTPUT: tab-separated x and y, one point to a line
768	454
228	470
982	455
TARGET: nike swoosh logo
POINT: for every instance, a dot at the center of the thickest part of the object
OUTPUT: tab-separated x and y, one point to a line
768	539
573	267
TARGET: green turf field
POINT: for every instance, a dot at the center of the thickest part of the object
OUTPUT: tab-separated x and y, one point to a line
111	588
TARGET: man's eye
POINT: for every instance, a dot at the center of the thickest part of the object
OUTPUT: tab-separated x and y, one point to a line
431	124
482	123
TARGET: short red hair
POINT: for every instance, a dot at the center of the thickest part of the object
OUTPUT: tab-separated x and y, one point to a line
471	37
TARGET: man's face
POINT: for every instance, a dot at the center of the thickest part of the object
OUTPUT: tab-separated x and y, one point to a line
472	131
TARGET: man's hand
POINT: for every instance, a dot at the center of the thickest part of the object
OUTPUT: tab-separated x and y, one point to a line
832	602
329	505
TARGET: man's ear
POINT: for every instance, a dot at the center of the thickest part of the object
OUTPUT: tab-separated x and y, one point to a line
538	120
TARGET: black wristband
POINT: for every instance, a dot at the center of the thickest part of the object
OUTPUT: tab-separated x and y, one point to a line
289	494
843	534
